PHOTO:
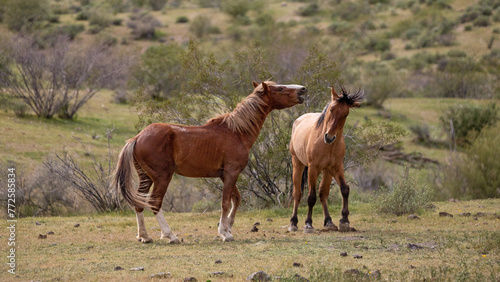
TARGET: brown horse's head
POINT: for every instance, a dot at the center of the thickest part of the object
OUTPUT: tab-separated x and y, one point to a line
336	112
280	96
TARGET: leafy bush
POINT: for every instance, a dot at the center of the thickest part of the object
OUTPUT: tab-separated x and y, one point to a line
182	19
339	27
403	198
157	5
482	21
468	121
200	26
82	16
456	54
350	10
475	174
143	25
25	14
380	83
309	10
235	8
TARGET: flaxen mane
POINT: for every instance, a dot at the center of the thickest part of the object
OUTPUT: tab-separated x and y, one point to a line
247	114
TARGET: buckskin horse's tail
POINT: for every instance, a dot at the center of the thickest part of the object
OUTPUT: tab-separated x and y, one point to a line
122	178
304	179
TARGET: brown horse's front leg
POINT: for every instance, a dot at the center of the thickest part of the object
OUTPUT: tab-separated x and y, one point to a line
236	201
227	191
298	170
344	190
311	198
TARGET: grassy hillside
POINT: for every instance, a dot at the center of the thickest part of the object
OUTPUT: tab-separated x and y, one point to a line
464	248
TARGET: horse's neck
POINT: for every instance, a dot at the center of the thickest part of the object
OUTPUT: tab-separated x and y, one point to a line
250	138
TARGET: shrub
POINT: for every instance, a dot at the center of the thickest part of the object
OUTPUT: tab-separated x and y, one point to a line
482	21
456	54
143	25
182	19
474	174
100	19
422	134
403	198
235	8
468	121
20	109
157	5
377	44
308	11
340	27
25	14
350	10
117	21
82	16
468	27
380	83
200	26
209	3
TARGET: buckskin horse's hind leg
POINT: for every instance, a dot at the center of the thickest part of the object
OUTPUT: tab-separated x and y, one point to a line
159	190
324	191
344	190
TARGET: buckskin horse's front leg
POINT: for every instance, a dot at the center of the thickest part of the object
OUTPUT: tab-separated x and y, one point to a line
344	190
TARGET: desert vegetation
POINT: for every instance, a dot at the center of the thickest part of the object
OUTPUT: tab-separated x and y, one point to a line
78	78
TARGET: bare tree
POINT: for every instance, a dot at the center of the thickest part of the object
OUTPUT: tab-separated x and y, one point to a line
61	78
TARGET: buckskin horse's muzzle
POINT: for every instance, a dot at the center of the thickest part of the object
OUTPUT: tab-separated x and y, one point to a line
328	139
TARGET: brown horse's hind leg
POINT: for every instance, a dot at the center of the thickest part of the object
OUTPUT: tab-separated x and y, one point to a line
156	199
236	201
298	169
145	183
324	191
344	189
311	198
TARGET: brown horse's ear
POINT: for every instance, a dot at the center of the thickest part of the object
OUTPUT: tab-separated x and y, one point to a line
335	95
264	86
255	84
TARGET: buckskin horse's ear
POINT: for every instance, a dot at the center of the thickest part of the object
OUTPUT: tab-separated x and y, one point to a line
335	96
255	84
264	86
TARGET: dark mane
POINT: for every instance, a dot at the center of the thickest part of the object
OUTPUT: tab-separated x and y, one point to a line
322	116
345	98
350	99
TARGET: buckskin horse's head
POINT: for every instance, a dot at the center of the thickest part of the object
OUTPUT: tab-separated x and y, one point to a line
336	112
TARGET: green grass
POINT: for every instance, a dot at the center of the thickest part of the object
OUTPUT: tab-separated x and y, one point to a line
452	248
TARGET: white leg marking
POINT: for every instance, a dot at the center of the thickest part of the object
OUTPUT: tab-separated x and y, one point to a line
142	234
166	232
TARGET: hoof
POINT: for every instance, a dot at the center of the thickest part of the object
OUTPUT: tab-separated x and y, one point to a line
308	229
292	228
145	240
344	227
174	241
331	227
227	238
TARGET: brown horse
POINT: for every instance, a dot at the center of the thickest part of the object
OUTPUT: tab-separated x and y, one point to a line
317	145
219	148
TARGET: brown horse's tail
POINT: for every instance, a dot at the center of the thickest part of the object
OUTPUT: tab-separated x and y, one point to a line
122	178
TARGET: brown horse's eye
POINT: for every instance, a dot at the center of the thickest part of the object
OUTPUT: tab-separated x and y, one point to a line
280	89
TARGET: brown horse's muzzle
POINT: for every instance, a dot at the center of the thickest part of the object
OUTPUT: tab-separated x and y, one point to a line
300	93
328	139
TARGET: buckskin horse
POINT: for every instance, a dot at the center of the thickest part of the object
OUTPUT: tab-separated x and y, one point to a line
317	146
219	148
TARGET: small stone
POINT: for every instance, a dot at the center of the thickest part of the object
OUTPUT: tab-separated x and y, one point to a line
77	225
140	268
465	214
297	264
40	236
218	261
300	278
158	275
118	268
269	220
357	256
256	224
216	273
445	214
254	229
343	254
353	271
375	274
258	276
190	279
38	223
430	206
414	246
412	216
50	233
412	266
480	214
